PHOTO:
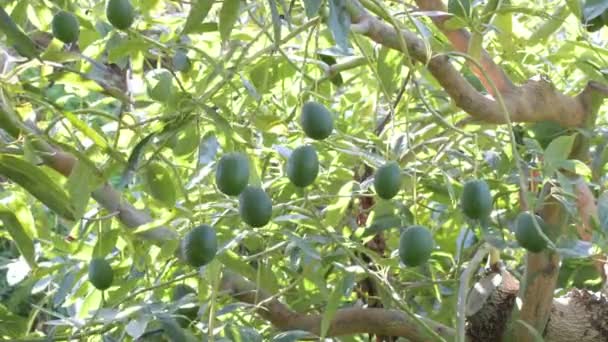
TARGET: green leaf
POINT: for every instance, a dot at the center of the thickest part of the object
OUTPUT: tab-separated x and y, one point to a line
81	183
594	8
312	7
460	8
333	302
233	262
558	151
549	26
228	16
86	130
389	68
336	210
24	242
382	223
575	7
37	183
12	326
106	241
339	23
134	158
198	13
15	36
241	334
160	184
19	12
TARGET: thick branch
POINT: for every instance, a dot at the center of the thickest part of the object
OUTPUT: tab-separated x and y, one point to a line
106	195
542	269
460	40
579	316
346	321
537	100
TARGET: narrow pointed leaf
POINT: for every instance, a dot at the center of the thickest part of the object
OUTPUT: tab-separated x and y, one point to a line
198	13
24	242
228	17
37	183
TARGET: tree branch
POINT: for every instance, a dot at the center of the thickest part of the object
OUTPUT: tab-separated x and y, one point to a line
106	195
540	277
460	41
536	100
346	321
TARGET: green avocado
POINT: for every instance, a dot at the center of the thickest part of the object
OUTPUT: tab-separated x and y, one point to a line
120	13
199	246
526	234
255	206
387	180
101	274
232	173
316	120
415	246
476	199
303	166
65	27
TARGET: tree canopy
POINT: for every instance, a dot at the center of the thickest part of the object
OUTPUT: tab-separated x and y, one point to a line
199	170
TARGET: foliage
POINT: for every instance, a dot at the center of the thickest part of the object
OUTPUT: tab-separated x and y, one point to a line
150	108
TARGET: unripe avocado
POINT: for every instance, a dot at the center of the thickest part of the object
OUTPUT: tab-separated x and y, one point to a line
232	173
187	313
303	166
316	120
476	199
199	246
415	245
255	206
101	274
387	180
526	234
120	13
65	27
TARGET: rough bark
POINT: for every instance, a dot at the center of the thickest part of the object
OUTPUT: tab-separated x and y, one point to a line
540	277
578	316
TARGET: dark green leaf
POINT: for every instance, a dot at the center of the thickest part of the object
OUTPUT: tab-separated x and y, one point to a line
37	183
333	303
198	13
24	242
81	182
312	7
22	43
339	23
228	16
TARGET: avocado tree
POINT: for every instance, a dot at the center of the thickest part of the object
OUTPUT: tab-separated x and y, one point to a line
276	171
